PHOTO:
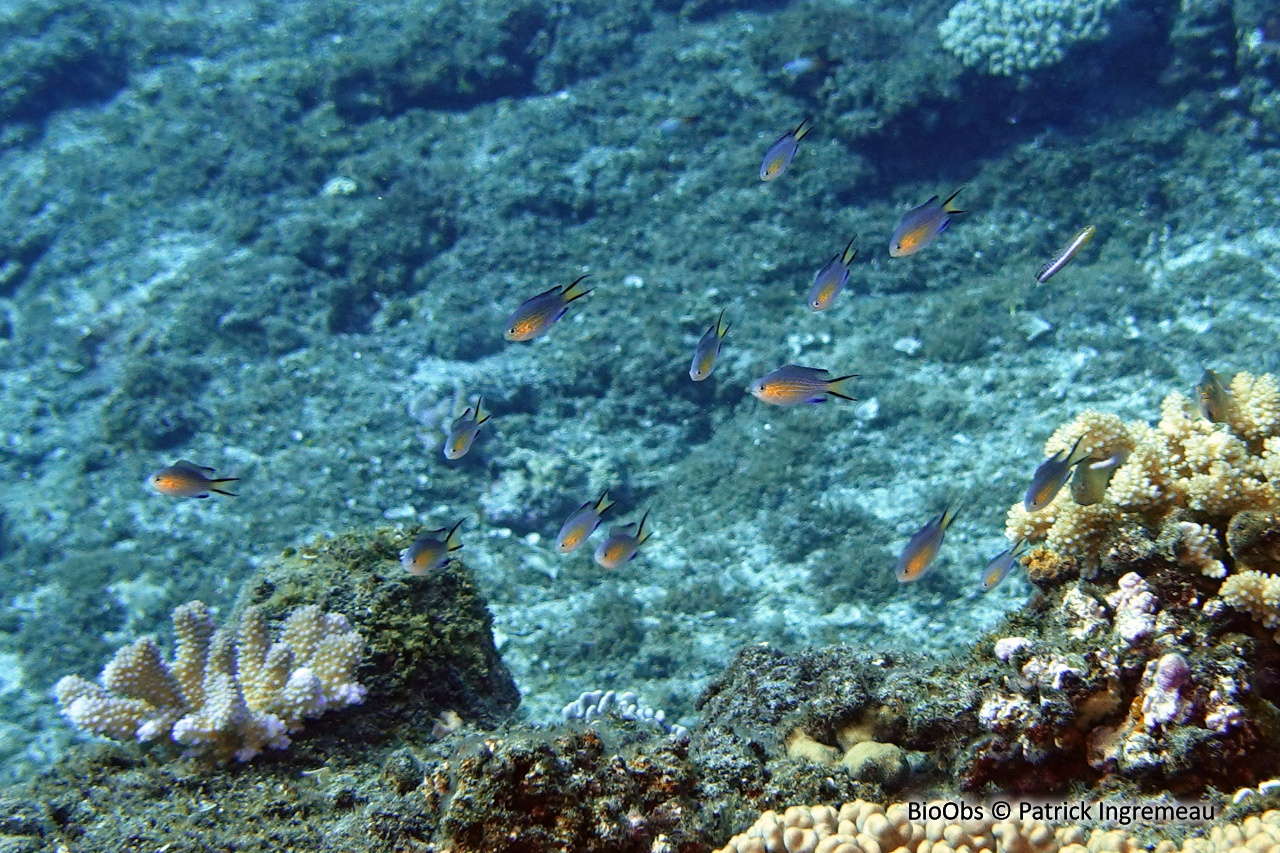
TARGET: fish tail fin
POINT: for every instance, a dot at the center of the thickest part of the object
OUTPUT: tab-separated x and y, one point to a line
845	257
1071	454
570	295
722	328
213	486
604	503
802	129
949	515
839	387
481	414
946	205
641	533
451	541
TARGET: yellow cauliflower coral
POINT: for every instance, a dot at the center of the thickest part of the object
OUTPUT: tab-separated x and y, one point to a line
1100	436
1254	413
1181	481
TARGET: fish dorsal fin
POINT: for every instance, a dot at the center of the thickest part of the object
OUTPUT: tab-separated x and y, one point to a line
184	465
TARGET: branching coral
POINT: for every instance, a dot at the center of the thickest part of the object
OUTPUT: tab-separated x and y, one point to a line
1181	482
228	693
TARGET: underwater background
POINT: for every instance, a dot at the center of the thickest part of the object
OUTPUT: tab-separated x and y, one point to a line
282	240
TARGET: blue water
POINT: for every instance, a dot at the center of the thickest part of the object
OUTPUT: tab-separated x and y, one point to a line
282	242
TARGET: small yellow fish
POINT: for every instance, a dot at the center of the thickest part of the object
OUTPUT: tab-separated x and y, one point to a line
429	552
1089	482
185	479
783	151
464	430
708	350
921	225
1050	477
579	526
793	384
1002	564
1064	257
1215	399
539	313
831	279
923	546
622	543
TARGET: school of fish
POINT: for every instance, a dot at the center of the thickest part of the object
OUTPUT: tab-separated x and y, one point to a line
788	385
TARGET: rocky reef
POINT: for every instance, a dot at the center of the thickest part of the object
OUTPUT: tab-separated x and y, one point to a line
1124	685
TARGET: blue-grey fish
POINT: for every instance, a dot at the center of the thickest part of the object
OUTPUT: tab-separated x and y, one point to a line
783	151
793	384
578	527
1002	564
1215	399
539	313
831	279
622	543
430	552
1089	482
708	350
921	225
463	431
923	546
1050	477
185	479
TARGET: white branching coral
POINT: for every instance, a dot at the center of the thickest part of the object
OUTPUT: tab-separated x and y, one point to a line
227	693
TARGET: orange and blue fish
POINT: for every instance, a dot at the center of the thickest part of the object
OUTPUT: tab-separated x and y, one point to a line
185	479
1001	564
463	431
579	526
783	151
622	543
831	279
793	384
708	350
923	546
1050	477
921	225
430	551
539	313
1060	260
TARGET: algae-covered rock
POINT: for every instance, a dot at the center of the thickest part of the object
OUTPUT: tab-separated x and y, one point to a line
429	639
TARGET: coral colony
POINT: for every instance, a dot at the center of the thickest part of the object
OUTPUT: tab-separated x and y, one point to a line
229	694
